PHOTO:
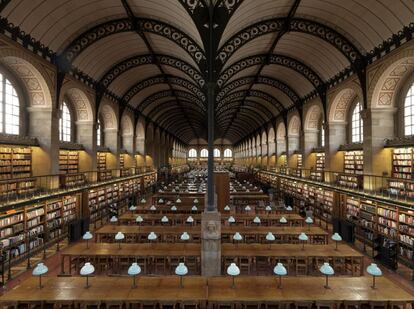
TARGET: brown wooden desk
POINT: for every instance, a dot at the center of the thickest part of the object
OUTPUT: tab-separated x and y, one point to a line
251	234
245	219
197	290
263	257
153	258
262	290
139	234
257	234
166	209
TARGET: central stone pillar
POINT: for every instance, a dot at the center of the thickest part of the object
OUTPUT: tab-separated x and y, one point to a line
211	243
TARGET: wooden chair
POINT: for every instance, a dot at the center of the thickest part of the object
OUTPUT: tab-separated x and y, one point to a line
320	304
90	304
114	304
378	304
64	304
351	304
397	304
301	266
303	304
263	265
252	305
168	304
245	265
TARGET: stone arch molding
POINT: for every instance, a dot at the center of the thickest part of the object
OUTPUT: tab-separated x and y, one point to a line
281	131
79	100
312	118
341	102
108	116
388	79
294	126
127	127
37	79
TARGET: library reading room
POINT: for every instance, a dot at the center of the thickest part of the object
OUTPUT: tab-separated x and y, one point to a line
206	154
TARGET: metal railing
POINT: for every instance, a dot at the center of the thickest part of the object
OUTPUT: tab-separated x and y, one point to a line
395	188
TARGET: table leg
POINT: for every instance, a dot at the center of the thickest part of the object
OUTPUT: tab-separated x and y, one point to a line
62	265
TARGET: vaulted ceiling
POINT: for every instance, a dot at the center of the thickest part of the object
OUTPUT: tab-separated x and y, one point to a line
268	54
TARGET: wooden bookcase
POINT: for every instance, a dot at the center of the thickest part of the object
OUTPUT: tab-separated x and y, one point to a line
402	168
68	161
24	231
101	161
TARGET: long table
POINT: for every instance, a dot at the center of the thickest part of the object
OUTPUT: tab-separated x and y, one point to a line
250	234
245	219
263	257
202	291
113	257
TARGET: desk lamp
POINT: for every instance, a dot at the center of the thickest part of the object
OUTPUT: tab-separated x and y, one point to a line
153	208
303	238
119	237
231	220
133	208
194	208
227	208
173	208
181	270
233	271
374	271
309	222
280	271
133	271
256	220
38	271
237	237
164	219
283	221
190	219
143	200
87	270
336	238
327	270
270	238
152	236
139	220
87	236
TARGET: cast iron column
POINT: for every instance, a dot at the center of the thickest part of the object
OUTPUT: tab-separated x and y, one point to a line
210	107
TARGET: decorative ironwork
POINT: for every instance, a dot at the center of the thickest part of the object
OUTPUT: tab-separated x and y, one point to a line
156	108
192	5
168	93
124	25
136	61
297	25
230	5
282	60
260	80
252	93
160	79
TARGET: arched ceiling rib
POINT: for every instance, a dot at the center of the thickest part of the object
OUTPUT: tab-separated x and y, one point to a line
152	54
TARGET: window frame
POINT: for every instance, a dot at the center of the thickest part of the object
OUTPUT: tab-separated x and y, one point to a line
101	139
22	96
72	120
190	152
216	153
202	151
231	153
350	122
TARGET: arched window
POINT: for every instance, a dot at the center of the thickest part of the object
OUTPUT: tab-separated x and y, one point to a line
409	112
99	135
322	134
216	153
65	123
204	153
9	107
228	153
192	153
357	130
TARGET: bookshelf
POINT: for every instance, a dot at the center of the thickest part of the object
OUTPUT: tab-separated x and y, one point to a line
402	172
101	161
402	163
320	161
354	162
68	161
122	161
72	180
16	168
299	161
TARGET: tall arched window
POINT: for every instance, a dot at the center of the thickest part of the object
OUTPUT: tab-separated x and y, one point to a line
409	112
357	130
99	134
204	153
216	153
192	153
9	107
228	153
65	123
322	134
